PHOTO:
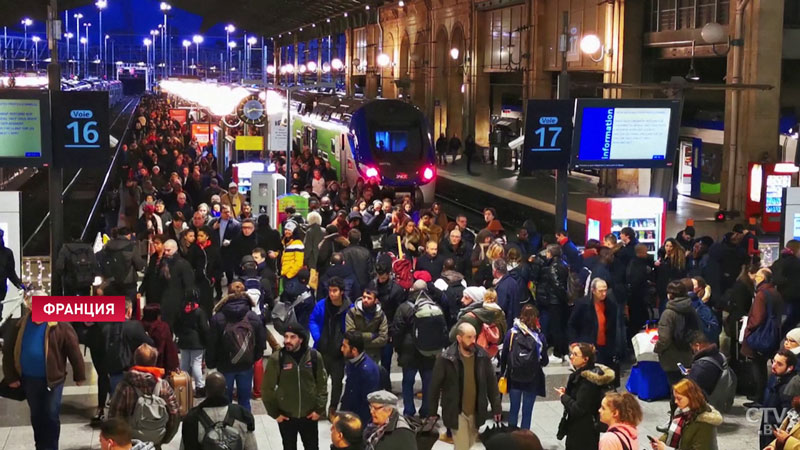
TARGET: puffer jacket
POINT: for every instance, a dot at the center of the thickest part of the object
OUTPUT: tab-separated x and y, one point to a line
551	288
479	313
292	388
327	325
452	284
700	432
584	392
292	258
447	381
391	296
374	329
679	314
231	309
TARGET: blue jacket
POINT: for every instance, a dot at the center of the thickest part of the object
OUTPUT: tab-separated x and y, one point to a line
711	326
327	341
572	256
363	378
508	298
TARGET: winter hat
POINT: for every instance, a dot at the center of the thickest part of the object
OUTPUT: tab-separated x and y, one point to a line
423	275
296	328
475	293
382	398
290	225
303	275
794	335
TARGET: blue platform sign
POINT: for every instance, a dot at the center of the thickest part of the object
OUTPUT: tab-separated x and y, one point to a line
548	135
80	129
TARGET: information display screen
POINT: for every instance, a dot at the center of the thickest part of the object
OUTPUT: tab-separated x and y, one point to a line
24	128
625	133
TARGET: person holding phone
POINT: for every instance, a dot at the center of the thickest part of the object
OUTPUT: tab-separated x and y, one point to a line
694	423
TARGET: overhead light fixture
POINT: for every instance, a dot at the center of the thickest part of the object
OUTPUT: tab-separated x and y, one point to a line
345	14
301	28
384	60
328	20
401	3
337	64
313	25
454	53
311	66
367	7
692	74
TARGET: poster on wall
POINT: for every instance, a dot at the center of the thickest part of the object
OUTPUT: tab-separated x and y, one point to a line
202	133
179	114
278	132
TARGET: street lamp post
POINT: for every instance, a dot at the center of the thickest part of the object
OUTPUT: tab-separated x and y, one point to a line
35	40
165	8
78	17
68	36
231	46
83	42
197	39
186	45
25	22
228	30
86	51
101	5
251	41
147	43
105	56
153	35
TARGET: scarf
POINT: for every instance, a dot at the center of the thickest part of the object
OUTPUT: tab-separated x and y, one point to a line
676	427
206	245
154	371
794	419
375	434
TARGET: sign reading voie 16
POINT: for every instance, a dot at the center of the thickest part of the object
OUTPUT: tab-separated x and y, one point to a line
80	129
548	134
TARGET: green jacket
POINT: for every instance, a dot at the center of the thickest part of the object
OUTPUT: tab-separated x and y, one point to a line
478	313
700	433
375	331
294	390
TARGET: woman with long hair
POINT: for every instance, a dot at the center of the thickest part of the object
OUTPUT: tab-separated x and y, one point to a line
670	266
484	275
524	354
694	425
622	413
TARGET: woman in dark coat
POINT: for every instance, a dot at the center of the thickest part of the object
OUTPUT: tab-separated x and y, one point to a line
737	301
582	397
205	259
161	334
669	267
268	238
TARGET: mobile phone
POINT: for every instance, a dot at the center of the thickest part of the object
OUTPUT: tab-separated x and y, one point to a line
651	438
683	369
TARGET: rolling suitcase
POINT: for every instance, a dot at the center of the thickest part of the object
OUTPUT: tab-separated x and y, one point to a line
181	383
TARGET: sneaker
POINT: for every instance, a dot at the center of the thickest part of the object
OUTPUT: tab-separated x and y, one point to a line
200	392
752	405
555	359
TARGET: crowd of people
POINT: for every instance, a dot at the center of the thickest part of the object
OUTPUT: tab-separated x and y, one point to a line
363	281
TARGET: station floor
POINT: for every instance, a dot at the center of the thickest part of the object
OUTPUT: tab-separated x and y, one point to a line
79	403
538	192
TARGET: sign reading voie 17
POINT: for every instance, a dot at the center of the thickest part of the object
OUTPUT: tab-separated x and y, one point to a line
548	134
80	129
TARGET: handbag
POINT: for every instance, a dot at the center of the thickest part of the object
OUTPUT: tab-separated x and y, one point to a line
502	383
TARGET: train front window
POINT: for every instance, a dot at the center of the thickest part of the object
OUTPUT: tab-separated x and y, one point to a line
397	144
391	141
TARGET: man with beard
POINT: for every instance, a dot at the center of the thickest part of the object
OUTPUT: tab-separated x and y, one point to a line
243	244
465	404
456	248
295	390
168	279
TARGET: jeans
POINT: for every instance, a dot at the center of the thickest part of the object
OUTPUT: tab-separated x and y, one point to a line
527	398
45	405
244	383
307	428
386	357
192	363
114	380
409	376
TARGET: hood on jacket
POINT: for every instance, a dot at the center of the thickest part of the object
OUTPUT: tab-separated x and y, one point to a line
137	378
452	277
599	375
360	308
711	416
234	306
682	305
118	244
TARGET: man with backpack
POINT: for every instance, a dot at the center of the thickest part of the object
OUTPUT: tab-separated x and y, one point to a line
216	423
677	328
238	339
327	327
295	390
711	372
762	334
391	296
367	317
146	400
77	265
119	263
419	333
122	340
363	376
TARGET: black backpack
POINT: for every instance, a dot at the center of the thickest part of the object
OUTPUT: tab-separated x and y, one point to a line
523	358
116	266
79	266
117	348
239	341
220	435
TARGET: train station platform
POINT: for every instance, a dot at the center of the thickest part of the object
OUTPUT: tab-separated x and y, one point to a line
535	194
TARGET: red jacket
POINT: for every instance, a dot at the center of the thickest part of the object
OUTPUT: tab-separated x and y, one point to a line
159	331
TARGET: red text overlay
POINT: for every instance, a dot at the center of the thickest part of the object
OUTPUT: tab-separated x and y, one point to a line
78	309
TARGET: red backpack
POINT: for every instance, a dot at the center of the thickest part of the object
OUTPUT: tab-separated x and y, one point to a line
403	270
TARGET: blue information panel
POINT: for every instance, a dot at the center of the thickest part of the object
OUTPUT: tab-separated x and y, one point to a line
626	133
548	135
80	129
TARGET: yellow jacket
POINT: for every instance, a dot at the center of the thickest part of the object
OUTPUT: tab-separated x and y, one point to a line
292	258
793	442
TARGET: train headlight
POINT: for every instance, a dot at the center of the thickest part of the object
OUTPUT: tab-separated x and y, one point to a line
372	172
428	173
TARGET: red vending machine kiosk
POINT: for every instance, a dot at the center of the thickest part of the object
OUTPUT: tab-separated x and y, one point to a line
646	215
765	185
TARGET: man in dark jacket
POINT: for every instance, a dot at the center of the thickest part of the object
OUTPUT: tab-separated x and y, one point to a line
508	294
390	296
431	261
454	246
452	285
225	229
338	268
551	297
367	317
120	262
767	302
782	387
7	270
294	390
359	258
243	244
786	275
363	376
168	281
641	287
77	266
441	149
389	430
233	316
35	358
678	326
594	321
707	363
122	339
470	364
570	251
327	329
725	260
